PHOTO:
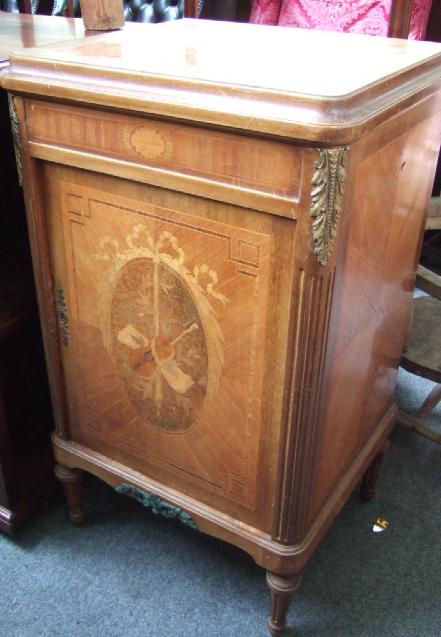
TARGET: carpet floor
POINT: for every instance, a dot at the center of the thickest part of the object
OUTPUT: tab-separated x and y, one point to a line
128	573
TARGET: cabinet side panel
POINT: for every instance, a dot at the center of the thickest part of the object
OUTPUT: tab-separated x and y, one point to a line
372	307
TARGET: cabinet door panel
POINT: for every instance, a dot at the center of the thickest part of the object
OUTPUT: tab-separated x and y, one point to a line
167	326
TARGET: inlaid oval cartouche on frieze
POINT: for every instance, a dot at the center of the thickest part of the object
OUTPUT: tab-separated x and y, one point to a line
159	344
148	142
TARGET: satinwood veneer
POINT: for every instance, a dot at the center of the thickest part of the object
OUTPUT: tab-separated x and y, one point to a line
225	225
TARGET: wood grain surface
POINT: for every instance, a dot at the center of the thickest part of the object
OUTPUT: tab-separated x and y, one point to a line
20	31
102	15
257	164
332	96
213	297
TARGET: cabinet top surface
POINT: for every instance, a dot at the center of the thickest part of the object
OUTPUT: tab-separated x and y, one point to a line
19	31
269	73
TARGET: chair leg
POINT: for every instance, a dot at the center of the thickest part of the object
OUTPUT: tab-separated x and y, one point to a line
282	590
415	422
369	481
430	403
71	481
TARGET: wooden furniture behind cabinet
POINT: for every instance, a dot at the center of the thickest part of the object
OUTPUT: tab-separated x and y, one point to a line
225	248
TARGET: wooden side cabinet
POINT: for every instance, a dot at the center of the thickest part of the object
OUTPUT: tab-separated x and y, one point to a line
225	248
26	461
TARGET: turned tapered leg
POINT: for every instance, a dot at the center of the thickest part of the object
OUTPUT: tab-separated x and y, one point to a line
282	590
369	481
71	481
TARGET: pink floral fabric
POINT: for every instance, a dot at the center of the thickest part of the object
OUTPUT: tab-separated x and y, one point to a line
419	19
265	11
357	16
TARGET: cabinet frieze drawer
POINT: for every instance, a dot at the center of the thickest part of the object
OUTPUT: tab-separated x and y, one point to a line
257	164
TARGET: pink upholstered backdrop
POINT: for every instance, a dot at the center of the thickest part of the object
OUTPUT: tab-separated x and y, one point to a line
359	16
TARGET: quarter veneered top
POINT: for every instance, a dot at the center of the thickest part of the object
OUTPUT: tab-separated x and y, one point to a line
271	79
282	59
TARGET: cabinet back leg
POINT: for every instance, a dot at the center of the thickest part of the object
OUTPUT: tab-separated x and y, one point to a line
71	481
369	481
282	590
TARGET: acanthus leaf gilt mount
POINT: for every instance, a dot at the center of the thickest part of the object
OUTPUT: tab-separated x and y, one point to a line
328	184
62	315
15	128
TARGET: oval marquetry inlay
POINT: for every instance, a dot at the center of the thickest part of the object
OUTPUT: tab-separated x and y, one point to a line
148	142
159	344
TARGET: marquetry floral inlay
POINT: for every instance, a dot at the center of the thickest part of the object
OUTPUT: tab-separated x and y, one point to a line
160	328
148	142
